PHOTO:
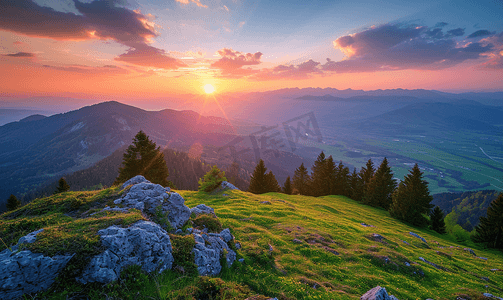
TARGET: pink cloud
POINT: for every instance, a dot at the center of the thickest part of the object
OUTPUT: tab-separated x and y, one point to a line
197	2
147	56
232	62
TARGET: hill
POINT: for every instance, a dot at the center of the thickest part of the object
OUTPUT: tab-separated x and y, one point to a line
41	149
293	247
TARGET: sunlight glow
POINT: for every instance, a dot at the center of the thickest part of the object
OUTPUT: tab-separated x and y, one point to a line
209	89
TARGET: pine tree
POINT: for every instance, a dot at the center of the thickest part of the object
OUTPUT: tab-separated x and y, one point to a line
490	228
287	187
437	220
366	174
356	186
258	180
272	184
13	203
301	180
381	187
412	199
62	187
320	178
143	157
211	180
342	185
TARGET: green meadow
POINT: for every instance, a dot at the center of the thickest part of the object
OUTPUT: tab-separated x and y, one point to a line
294	247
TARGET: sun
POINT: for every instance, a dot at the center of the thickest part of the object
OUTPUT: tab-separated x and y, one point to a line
209	89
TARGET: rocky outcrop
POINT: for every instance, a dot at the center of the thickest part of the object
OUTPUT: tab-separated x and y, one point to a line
27	272
144	243
377	293
210	248
154	199
202	209
135	180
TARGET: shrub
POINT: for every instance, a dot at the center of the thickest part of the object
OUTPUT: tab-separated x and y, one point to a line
211	180
208	221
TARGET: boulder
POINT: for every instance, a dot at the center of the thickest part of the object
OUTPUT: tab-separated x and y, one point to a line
135	180
202	209
153	198
209	249
27	272
377	293
144	243
224	186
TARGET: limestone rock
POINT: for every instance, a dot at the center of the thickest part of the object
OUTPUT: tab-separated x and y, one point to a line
377	293
224	186
470	251
154	198
135	180
209	249
416	235
202	209
26	272
144	243
29	238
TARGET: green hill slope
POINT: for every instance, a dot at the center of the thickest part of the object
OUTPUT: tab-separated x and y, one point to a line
294	247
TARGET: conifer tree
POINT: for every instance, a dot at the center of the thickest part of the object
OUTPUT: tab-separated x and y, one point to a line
212	179
272	184
301	180
490	229
366	174
342	185
437	220
381	187
320	179
143	157
356	186
62	187
13	203
412	199
287	187
258	180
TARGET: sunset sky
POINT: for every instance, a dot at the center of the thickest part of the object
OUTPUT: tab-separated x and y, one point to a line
140	49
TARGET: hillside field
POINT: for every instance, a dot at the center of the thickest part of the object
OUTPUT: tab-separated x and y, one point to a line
294	247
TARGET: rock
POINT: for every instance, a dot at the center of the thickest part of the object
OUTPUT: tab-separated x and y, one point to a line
209	249
470	251
405	242
108	208
224	186
491	296
238	246
30	237
265	202
144	243
189	230
202	209
377	293
407	264
366	225
226	235
432	264
26	272
483	258
178	231
416	235
241	260
135	180
297	241
153	198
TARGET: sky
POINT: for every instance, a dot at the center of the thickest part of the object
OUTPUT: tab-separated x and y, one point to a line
143	49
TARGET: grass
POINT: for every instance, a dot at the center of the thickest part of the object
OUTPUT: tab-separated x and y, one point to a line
333	257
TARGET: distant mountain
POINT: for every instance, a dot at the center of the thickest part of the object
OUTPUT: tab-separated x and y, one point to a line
423	118
32	118
8	115
35	151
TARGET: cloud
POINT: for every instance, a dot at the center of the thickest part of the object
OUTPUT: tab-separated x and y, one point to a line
104	70
21	54
495	59
397	46
479	33
231	62
300	71
197	2
100	19
18	43
148	56
441	24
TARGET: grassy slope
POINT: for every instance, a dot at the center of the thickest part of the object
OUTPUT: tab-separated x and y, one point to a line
290	271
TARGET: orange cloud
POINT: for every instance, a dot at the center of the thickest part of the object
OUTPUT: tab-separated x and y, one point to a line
197	2
147	56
